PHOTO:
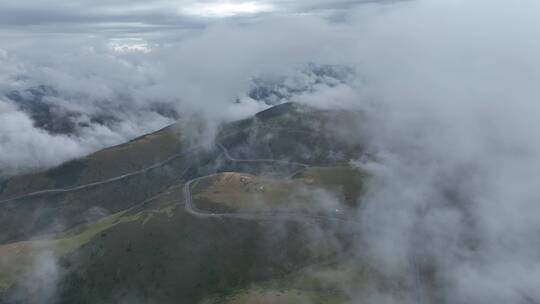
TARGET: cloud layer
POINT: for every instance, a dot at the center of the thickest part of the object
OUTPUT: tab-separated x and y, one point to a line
95	92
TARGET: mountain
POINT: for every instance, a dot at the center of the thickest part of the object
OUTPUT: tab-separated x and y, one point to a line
265	214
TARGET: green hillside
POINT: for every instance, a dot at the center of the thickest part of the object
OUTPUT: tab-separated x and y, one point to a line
159	221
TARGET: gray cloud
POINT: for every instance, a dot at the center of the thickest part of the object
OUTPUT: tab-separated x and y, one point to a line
454	106
152	20
81	87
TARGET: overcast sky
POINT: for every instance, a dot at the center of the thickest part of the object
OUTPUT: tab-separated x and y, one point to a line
155	21
125	59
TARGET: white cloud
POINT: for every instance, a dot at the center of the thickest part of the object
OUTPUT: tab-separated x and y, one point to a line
130	45
226	8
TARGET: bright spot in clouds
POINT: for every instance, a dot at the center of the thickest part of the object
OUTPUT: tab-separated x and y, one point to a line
129	45
226	9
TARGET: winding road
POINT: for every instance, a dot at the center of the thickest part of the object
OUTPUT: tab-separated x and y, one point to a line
194	211
191	209
133	173
262	160
102	182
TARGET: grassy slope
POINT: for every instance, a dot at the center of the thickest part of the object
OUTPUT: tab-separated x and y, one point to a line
52	213
347	279
294	132
157	252
250	193
29	217
107	163
25	218
18	258
349	181
243	193
154	250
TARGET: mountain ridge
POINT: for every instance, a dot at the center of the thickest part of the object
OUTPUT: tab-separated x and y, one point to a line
141	216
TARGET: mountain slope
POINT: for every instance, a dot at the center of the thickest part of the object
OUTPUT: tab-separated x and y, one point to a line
159	220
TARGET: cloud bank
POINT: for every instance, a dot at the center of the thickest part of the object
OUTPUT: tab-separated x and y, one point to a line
450	88
91	93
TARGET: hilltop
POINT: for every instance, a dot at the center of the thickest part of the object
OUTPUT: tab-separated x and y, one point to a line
259	215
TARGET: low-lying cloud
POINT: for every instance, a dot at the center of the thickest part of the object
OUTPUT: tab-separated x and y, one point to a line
91	96
450	94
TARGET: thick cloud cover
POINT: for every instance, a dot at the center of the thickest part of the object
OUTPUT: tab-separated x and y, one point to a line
450	87
90	92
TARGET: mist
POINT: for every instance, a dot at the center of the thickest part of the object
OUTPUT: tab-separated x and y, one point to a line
98	94
450	93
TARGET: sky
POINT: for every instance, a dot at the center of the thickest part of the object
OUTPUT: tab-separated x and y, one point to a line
84	75
450	88
156	21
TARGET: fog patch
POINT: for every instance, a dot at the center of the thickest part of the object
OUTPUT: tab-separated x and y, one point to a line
36	273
